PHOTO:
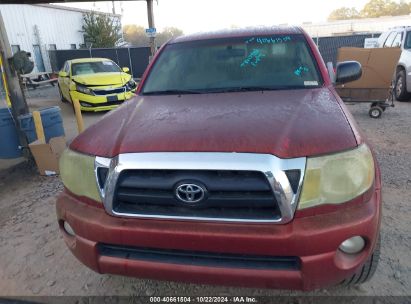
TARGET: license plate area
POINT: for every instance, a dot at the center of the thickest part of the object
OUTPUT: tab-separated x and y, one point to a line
112	98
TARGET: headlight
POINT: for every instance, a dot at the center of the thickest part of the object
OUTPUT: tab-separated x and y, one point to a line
337	178
77	174
83	89
131	85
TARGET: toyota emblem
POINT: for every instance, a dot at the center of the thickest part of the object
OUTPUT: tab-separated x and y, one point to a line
190	193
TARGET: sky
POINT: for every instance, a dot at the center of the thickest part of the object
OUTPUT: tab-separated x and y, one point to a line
207	15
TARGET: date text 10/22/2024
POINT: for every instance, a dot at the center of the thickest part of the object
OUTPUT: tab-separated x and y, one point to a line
205	299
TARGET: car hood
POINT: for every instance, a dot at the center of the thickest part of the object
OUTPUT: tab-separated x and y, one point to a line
102	79
287	124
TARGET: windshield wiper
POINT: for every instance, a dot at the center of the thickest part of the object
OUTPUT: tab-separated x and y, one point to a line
224	90
172	92
252	88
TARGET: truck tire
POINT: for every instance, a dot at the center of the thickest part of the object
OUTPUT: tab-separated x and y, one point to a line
367	270
400	89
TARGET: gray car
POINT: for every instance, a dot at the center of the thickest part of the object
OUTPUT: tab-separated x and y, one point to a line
400	37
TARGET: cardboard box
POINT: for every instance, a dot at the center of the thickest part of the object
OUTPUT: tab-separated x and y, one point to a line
348	94
378	66
47	155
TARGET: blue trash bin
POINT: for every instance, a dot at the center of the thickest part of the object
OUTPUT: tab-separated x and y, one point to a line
52	124
9	147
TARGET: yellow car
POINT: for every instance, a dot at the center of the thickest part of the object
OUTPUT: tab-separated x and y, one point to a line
99	84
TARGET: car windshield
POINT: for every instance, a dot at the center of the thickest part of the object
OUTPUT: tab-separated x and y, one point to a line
235	64
94	67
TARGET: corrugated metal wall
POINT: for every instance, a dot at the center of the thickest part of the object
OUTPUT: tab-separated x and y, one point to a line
29	25
355	26
45	26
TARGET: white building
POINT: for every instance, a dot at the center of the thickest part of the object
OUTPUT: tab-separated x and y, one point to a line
43	27
355	26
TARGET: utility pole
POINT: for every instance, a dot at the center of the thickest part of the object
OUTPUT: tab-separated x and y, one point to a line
113	7
150	15
18	102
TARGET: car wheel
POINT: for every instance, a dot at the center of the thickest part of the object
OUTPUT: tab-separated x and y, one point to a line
368	270
61	96
400	89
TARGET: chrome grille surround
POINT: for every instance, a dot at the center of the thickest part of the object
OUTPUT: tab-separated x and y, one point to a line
271	166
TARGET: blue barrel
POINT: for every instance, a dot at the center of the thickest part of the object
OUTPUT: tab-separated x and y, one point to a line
9	147
52	124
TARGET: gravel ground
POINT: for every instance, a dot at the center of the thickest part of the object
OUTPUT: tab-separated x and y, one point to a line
34	260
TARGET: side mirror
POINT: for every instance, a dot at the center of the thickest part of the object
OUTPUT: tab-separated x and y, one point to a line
63	74
126	69
347	71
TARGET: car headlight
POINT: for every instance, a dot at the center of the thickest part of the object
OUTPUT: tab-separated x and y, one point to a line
77	174
337	178
131	84
83	89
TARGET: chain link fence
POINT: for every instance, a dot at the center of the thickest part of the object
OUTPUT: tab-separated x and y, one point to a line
136	59
329	46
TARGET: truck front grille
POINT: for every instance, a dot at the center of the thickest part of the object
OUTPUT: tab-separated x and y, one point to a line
201	186
242	195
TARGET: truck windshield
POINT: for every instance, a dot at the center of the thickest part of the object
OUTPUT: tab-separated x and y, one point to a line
276	62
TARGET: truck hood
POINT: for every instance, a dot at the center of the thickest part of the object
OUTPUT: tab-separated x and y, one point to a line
293	123
102	79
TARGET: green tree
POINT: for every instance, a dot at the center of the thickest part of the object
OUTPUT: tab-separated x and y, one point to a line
378	8
167	34
136	35
344	13
398	9
373	9
100	30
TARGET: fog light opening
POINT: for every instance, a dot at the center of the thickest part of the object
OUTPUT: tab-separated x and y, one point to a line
353	245
83	104
69	230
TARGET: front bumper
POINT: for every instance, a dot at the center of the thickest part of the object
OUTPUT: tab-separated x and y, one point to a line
312	239
100	102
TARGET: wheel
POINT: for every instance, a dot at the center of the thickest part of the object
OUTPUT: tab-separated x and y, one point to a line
400	89
368	270
61	96
375	112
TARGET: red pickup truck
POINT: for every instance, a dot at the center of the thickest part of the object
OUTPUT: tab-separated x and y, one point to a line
236	164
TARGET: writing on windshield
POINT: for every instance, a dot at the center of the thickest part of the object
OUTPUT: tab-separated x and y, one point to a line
276	61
